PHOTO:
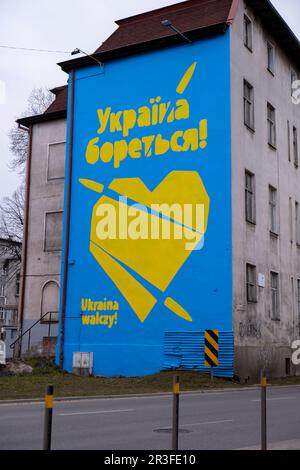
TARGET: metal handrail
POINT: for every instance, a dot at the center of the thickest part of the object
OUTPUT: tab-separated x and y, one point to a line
12	345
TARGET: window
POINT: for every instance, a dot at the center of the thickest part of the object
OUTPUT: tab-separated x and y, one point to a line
248	32
53	231
250	197
251	283
298	301
56	161
17	284
297	222
291	219
248	105
289	140
271	125
271	58
273	209
275	296
295	146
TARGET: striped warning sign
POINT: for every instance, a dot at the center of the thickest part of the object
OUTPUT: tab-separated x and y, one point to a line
211	348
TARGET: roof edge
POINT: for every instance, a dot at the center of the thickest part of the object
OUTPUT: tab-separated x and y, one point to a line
30	120
173	39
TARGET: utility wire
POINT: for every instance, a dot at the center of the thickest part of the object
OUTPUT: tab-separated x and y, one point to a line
34	50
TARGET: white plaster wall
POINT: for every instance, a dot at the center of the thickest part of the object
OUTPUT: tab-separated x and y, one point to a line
45	196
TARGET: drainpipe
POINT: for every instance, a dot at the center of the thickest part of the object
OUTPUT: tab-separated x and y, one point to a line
25	238
67	226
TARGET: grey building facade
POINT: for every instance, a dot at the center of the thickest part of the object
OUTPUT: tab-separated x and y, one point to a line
265	126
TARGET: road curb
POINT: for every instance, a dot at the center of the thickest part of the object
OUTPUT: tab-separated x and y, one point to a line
142	395
130	395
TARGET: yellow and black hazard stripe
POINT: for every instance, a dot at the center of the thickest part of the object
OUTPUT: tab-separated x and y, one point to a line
211	348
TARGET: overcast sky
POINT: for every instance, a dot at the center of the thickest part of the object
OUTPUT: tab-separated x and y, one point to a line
61	25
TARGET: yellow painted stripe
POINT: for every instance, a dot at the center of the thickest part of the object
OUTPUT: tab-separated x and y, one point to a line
49	401
93	185
172	305
186	78
176	388
216	332
264	381
212	342
211	355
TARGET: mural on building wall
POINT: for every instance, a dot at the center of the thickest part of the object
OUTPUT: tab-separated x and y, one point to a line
150	214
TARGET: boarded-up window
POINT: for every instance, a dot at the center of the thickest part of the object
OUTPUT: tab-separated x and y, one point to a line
50	302
56	160
53	231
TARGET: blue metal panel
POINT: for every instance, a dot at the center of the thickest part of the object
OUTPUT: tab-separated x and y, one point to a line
185	349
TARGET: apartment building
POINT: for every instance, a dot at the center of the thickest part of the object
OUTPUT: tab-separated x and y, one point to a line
245	280
10	265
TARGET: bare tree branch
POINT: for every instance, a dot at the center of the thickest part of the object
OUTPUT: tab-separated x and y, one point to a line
39	100
12	222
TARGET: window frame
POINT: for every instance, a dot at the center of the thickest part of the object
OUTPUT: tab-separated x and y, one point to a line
59	178
295	147
248	33
251	284
250	191
273	210
44	241
250	102
275	275
270	46
271	123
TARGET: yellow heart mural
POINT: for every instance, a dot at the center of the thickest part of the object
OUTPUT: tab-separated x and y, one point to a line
157	252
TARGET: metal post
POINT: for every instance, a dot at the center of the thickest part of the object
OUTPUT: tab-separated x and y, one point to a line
29	338
263	412
49	329
48	418
175	412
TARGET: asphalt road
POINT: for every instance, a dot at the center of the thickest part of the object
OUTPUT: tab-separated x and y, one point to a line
216	420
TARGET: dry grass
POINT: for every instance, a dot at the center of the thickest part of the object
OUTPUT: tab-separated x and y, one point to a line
66	385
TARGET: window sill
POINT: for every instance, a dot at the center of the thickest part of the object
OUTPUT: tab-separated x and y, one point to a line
274	235
250	129
276	319
271	72
250	49
273	147
252	224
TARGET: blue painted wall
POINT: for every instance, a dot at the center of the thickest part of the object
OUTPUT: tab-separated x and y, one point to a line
203	285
